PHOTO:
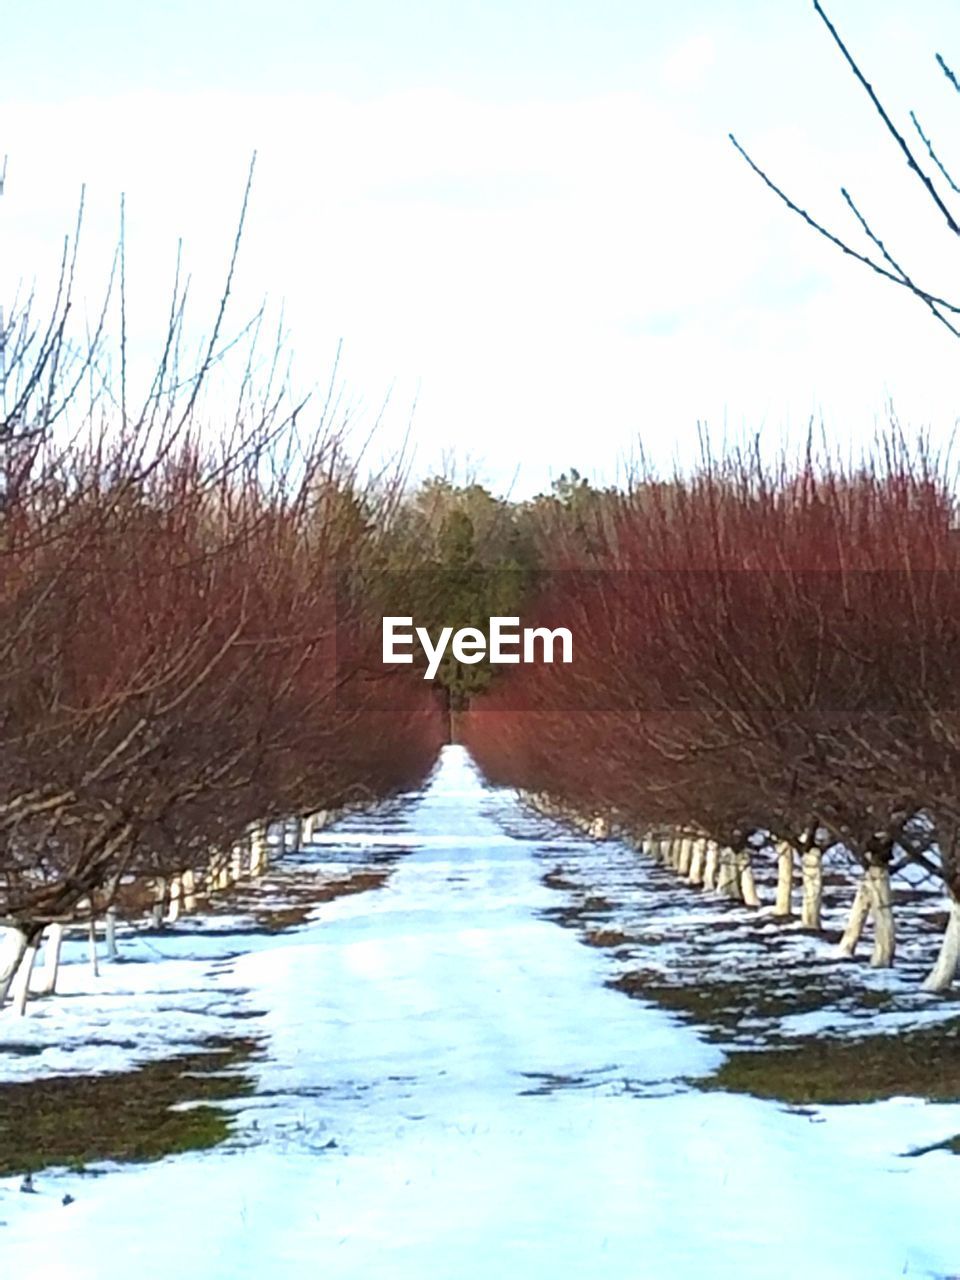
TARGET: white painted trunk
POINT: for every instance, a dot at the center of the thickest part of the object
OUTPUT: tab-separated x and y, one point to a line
784	903
811	867
46	982
859	910
685	856
697	856
159	900
728	876
111	933
881	908
711	865
259	850
308	825
942	974
12	948
189	880
173	912
748	883
20	989
236	863
92	938
321	819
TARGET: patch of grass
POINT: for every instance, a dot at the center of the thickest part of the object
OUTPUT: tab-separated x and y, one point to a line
923	1062
949	1144
724	1005
721	1006
548	1082
123	1115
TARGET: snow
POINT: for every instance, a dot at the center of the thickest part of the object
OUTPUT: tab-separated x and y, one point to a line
450	1090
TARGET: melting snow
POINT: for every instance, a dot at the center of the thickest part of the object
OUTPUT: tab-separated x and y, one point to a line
449	1092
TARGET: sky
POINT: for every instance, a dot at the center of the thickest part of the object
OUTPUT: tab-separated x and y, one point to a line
524	221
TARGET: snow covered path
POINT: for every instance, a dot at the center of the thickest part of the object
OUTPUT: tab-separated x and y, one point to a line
449	1092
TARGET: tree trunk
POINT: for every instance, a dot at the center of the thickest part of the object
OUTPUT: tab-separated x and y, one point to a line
308	825
189	889
811	864
159	901
685	856
92	939
881	908
14	944
784	903
748	884
728	876
942	974
696	862
47	984
173	914
859	910
111	933
258	850
20	990
711	865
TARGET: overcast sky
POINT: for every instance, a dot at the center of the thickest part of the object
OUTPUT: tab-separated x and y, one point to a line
523	215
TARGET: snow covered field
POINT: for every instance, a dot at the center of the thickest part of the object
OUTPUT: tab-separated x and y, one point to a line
449	1091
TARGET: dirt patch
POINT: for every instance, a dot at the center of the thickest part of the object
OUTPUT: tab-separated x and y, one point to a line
595	904
557	880
606	938
124	1115
359	882
578	914
277	918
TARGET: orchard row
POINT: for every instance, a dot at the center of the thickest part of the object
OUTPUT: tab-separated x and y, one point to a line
764	660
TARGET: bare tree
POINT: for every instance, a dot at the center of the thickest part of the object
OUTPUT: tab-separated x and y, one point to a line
925	165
